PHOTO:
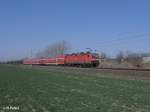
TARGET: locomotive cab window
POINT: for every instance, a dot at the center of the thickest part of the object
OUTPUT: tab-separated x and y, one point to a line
95	55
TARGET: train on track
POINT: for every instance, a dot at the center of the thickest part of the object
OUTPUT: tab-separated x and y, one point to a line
87	59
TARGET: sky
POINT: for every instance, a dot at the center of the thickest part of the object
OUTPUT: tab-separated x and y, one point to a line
107	26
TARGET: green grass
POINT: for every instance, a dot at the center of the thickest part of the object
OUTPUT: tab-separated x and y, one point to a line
54	91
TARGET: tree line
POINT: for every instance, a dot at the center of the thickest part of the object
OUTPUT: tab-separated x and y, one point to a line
58	48
135	58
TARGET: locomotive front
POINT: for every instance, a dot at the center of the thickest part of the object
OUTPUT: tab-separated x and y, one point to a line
95	59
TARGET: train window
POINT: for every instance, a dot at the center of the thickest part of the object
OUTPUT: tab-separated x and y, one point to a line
95	55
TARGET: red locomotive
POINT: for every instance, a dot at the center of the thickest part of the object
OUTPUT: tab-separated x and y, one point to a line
82	59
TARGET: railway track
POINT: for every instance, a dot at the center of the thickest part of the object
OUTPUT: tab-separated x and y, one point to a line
125	73
116	69
128	69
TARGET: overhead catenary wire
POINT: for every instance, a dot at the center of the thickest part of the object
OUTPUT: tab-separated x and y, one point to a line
126	40
137	32
127	37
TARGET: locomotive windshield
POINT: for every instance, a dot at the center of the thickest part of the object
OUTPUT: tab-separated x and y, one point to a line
95	55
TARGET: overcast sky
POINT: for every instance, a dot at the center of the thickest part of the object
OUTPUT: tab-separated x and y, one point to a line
105	25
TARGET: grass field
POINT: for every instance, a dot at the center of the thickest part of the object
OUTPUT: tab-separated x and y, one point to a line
35	90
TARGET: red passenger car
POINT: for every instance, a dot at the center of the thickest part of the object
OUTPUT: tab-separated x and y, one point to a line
59	60
33	61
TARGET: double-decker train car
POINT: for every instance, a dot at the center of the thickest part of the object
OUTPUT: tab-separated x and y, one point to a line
33	61
80	59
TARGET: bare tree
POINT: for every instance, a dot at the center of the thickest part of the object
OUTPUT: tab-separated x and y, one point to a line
134	58
120	57
55	49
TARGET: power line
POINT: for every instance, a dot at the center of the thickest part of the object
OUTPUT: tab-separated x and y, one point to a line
125	40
